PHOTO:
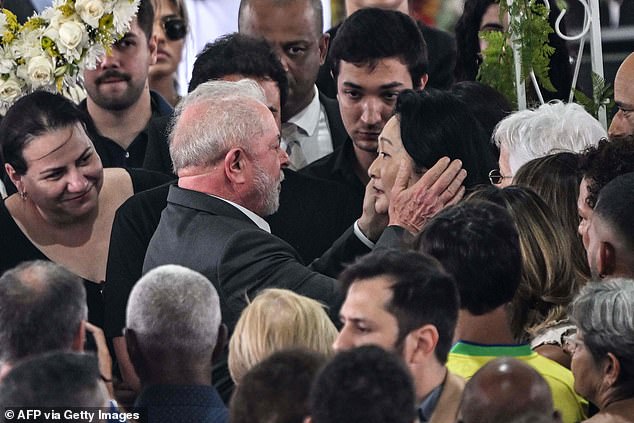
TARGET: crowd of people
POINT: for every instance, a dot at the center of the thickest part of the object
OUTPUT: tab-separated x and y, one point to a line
328	227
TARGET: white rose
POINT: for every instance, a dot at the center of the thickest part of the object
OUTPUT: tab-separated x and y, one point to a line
90	11
9	90
40	71
71	34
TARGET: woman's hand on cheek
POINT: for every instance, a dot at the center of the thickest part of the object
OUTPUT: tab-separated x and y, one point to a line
411	207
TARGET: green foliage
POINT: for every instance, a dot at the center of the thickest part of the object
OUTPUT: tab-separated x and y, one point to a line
497	67
602	95
529	29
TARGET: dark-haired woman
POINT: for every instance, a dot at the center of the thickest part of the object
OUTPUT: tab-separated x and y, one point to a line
427	126
65	202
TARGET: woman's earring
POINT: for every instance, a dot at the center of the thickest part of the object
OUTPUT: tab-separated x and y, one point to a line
23	195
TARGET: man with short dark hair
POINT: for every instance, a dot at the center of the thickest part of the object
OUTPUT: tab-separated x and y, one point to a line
55	379
407	304
120	104
477	243
42	308
312	126
610	237
276	389
363	385
441	46
377	54
506	389
174	334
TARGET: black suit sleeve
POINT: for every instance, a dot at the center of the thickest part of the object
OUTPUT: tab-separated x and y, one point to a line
254	260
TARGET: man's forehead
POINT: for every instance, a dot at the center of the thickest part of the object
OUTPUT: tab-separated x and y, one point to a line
385	73
257	18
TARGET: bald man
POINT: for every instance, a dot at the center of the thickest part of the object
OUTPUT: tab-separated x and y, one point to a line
504	389
623	121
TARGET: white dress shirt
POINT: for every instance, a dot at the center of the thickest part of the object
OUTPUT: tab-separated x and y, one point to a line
310	128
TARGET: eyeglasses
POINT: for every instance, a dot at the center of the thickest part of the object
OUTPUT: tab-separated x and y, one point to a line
174	27
496	177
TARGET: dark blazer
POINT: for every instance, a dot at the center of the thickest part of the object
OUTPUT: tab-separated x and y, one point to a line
337	130
312	216
216	239
213	237
441	47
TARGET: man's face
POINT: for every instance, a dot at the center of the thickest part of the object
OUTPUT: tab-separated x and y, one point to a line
584	211
268	159
367	96
623	121
365	318
505	168
120	78
592	242
293	32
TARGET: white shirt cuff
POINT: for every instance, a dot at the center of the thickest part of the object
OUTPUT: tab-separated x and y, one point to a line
362	237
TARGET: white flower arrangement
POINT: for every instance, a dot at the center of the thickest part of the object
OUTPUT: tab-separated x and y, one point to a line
52	49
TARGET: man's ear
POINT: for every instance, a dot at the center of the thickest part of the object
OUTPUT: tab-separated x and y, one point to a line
420	344
606	262
423	81
235	164
134	351
80	337
220	343
324	41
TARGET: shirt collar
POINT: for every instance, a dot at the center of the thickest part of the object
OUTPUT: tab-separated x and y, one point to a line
308	118
261	223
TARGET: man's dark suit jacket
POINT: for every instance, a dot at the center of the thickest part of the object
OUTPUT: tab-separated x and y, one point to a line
441	47
213	237
312	215
338	132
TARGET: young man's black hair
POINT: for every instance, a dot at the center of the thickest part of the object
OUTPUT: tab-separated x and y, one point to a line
477	243
371	34
363	385
239	54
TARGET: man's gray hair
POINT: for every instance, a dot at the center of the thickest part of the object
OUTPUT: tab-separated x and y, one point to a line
229	120
42	306
175	309
604	313
551	128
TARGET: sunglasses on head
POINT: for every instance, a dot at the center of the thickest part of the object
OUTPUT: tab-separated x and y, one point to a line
174	27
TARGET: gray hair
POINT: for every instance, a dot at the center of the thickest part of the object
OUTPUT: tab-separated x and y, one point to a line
176	309
604	313
229	119
551	128
42	306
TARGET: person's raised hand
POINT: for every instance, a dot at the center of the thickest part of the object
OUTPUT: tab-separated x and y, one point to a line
371	223
441	186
